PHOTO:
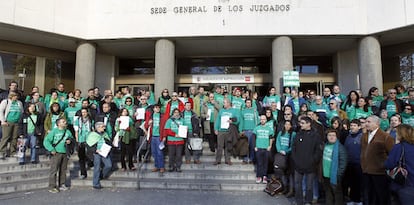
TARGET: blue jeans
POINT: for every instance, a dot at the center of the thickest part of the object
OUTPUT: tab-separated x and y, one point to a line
156	152
31	141
309	187
249	135
406	195
97	160
262	162
315	187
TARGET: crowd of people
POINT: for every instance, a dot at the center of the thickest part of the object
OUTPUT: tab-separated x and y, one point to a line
332	145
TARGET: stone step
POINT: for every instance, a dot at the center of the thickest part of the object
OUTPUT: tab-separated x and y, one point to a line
186	174
24	176
22	187
183	184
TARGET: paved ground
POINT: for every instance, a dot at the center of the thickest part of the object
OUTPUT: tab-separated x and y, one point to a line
130	196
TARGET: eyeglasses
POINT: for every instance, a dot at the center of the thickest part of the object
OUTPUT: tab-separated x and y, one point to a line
393	93
175	95
128	101
288	114
407	108
332	103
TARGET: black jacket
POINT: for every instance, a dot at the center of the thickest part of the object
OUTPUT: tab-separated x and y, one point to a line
111	119
39	128
307	151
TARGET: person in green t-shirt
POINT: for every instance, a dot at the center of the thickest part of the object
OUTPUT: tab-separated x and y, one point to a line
263	140
334	162
55	142
174	141
11	110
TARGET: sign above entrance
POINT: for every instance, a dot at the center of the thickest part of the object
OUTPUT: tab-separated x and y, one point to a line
291	78
223	78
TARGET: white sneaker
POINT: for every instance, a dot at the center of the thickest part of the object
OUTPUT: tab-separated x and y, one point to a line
258	180
63	188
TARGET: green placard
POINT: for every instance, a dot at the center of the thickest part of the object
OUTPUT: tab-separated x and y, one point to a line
291	78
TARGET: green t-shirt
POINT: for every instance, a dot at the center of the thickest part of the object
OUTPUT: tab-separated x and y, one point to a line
219	98
14	113
173	125
54	118
268	100
284	141
54	137
327	160
237	103
231	113
384	124
156	119
359	113
31	125
263	134
249	119
70	112
174	104
407	119
391	107
376	100
187	120
271	124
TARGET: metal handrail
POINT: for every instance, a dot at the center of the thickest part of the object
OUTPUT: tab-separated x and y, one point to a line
140	164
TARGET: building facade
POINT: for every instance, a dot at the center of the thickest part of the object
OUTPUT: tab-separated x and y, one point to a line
176	44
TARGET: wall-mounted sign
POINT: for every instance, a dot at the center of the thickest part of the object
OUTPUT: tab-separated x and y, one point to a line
229	78
291	78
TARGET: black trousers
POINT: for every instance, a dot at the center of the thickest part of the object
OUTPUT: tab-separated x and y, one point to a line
129	150
376	189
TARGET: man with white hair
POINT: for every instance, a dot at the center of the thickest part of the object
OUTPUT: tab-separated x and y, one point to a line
375	147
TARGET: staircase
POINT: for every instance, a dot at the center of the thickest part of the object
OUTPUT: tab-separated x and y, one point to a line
204	176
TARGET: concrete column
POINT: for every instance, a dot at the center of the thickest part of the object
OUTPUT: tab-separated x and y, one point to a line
164	66
369	62
40	74
85	67
282	60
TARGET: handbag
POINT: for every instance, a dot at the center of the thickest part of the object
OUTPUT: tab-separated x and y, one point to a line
399	173
195	144
280	161
273	187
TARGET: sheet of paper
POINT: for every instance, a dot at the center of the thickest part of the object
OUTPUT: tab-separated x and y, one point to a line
105	120
140	113
182	99
182	131
115	142
225	122
161	146
209	114
124	122
320	110
105	149
75	123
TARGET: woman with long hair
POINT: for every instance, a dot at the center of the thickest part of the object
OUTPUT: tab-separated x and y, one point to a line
349	105
128	137
284	141
54	114
83	126
31	127
405	137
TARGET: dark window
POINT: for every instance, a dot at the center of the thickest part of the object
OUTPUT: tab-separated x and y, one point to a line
246	65
313	64
136	66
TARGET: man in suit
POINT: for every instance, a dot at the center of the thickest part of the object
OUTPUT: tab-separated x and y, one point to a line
375	146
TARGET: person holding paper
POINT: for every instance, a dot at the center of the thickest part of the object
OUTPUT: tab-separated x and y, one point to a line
225	117
209	112
54	142
98	140
130	106
83	126
174	142
139	123
152	124
124	125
